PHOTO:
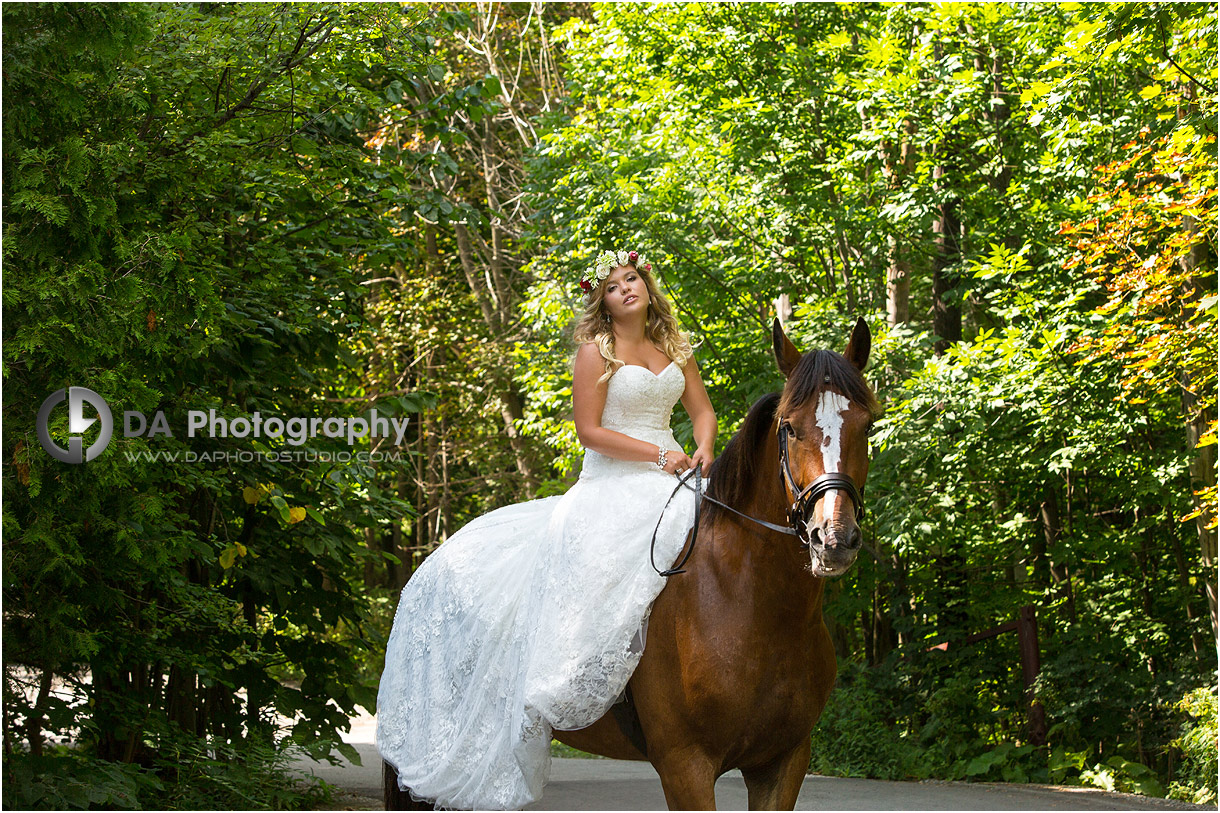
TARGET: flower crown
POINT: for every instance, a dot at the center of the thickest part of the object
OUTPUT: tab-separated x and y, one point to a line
606	262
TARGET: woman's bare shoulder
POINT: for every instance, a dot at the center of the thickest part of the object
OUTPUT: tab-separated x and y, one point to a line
588	361
588	349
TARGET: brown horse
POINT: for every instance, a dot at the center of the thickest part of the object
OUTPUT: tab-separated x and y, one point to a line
738	662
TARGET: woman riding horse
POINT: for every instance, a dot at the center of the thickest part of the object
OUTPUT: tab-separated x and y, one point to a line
531	621
739	663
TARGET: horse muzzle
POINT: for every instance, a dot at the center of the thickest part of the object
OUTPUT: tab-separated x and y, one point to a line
833	548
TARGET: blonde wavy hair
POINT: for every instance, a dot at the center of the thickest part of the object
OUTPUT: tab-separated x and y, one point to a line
594	325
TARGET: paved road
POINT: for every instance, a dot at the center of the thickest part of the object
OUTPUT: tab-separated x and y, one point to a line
608	784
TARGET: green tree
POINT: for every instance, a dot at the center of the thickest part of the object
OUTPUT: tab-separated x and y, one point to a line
914	164
190	208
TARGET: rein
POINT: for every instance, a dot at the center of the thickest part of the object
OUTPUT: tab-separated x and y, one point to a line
700	496
798	513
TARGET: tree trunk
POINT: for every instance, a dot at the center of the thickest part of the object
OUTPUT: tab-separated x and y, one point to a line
883	628
1052	532
107	716
1183	573
33	725
373	543
1202	474
866	627
898	275
849	291
420	543
1203	460
897	285
946	313
904	603
431	461
511	410
396	575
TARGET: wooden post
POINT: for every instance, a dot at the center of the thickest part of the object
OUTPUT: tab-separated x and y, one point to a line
1027	634
1026	626
394	797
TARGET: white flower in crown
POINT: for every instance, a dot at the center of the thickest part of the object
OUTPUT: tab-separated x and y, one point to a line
606	262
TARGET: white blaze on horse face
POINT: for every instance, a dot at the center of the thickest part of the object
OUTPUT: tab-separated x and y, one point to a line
830	421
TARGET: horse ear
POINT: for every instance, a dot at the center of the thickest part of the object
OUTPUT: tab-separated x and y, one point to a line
786	354
859	346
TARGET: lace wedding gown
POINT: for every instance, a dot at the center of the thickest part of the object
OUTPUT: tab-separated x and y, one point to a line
532	617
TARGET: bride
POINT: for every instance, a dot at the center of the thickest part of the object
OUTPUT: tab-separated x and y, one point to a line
534	616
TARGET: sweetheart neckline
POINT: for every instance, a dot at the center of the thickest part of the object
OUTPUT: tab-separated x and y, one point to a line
650	372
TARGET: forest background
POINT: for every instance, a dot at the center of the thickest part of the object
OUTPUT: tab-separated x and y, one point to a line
316	209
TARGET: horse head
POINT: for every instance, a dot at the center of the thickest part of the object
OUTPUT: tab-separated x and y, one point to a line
822	424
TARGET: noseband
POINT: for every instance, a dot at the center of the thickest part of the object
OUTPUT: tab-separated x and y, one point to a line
801	510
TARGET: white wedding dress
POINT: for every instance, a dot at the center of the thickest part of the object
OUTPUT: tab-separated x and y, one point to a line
532	617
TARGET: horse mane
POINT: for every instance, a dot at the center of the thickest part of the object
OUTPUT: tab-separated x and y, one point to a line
825	368
734	472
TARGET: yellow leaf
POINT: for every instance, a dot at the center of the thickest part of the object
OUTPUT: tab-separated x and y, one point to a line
227	556
295	514
1208	438
1150	91
839	39
1036	90
251	495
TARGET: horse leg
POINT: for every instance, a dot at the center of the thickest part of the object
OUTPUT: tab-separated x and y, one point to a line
775	786
688	779
396	798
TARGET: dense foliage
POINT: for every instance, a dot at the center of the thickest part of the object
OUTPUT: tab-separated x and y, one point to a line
1022	202
190	208
316	210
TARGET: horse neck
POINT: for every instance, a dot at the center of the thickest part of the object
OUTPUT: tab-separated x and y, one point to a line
777	564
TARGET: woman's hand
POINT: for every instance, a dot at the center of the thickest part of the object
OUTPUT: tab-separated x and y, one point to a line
703	459
677	461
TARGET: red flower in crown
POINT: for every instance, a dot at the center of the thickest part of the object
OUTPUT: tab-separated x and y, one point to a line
633	255
585	285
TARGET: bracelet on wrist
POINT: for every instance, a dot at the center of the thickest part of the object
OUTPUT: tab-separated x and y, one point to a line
662	454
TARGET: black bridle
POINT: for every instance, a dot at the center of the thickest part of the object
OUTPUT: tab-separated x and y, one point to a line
801	510
799	513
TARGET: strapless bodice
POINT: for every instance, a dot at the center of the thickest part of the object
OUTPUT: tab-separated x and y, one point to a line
639	403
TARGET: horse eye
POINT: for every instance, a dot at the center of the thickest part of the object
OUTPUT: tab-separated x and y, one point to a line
791	431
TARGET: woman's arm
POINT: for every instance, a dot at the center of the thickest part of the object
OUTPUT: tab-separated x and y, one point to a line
702	416
588	401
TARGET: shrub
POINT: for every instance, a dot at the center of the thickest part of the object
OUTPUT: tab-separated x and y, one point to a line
1197	742
194	775
853	738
